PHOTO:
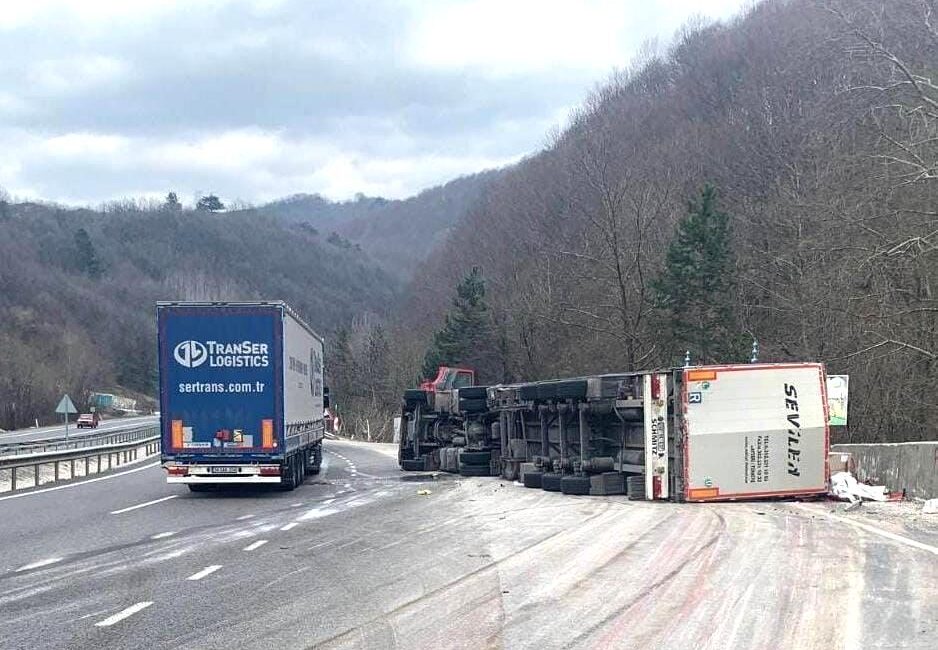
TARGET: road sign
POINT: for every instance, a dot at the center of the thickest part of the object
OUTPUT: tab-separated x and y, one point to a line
66	406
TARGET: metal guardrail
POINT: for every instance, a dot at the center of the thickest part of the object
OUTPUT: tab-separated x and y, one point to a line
102	438
107	450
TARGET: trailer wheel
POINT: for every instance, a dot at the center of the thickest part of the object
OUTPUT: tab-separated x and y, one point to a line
475	470
288	482
302	463
312	468
532	479
475	457
473	405
635	486
550	481
473	392
413	465
575	485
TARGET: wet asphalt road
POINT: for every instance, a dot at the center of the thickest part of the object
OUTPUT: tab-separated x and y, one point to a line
357	558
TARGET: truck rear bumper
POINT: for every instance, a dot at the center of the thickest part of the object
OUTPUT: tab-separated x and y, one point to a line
223	480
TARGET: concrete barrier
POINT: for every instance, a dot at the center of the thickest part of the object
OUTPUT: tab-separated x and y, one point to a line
912	466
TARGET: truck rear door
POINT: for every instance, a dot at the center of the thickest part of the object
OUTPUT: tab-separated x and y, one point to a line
220	381
754	431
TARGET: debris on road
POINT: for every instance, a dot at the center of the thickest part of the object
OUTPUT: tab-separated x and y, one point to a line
424	493
930	507
846	488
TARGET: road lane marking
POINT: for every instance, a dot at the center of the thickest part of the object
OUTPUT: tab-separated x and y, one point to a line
144	505
256	545
204	572
292	524
80	483
243	517
295	505
40	563
121	615
162	535
885	533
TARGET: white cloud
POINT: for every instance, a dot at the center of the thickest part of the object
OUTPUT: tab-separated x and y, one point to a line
259	99
77	73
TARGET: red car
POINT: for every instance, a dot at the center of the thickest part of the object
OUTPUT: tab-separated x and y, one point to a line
89	420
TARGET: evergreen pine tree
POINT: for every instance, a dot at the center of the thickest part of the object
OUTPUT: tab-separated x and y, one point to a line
696	291
87	257
466	336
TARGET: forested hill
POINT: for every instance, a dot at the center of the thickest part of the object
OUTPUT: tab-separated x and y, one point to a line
78	287
395	233
815	123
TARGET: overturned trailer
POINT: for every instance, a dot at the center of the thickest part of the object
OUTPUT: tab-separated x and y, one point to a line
703	433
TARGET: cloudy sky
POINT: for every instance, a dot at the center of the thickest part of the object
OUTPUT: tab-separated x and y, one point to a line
258	99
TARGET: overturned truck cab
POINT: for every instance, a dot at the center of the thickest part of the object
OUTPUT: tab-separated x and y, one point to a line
704	433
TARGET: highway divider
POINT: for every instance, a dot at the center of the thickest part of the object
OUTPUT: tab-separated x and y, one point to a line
909	466
31	464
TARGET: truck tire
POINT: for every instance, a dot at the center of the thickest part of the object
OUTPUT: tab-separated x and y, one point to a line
571	388
473	405
473	392
528	392
413	465
635	487
550	481
532	479
316	462
474	470
288	480
415	396
475	458
575	485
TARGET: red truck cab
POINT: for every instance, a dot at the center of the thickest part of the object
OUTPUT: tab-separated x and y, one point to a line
448	378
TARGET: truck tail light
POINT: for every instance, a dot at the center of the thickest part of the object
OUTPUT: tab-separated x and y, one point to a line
177	470
267	434
270	471
655	487
656	387
177	434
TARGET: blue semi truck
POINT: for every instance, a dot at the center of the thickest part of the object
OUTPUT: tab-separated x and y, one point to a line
241	394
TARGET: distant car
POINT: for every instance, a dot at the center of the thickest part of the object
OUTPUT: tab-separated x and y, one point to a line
89	420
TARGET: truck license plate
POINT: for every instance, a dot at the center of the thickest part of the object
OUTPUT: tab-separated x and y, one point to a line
224	470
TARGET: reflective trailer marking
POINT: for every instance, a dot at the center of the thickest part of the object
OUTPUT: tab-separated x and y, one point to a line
121	615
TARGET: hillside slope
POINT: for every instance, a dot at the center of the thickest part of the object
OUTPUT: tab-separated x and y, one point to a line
398	234
71	324
817	124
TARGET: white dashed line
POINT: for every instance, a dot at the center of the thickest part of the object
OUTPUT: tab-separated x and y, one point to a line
292	524
121	615
144	505
204	572
295	505
40	563
243	517
162	535
256	545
